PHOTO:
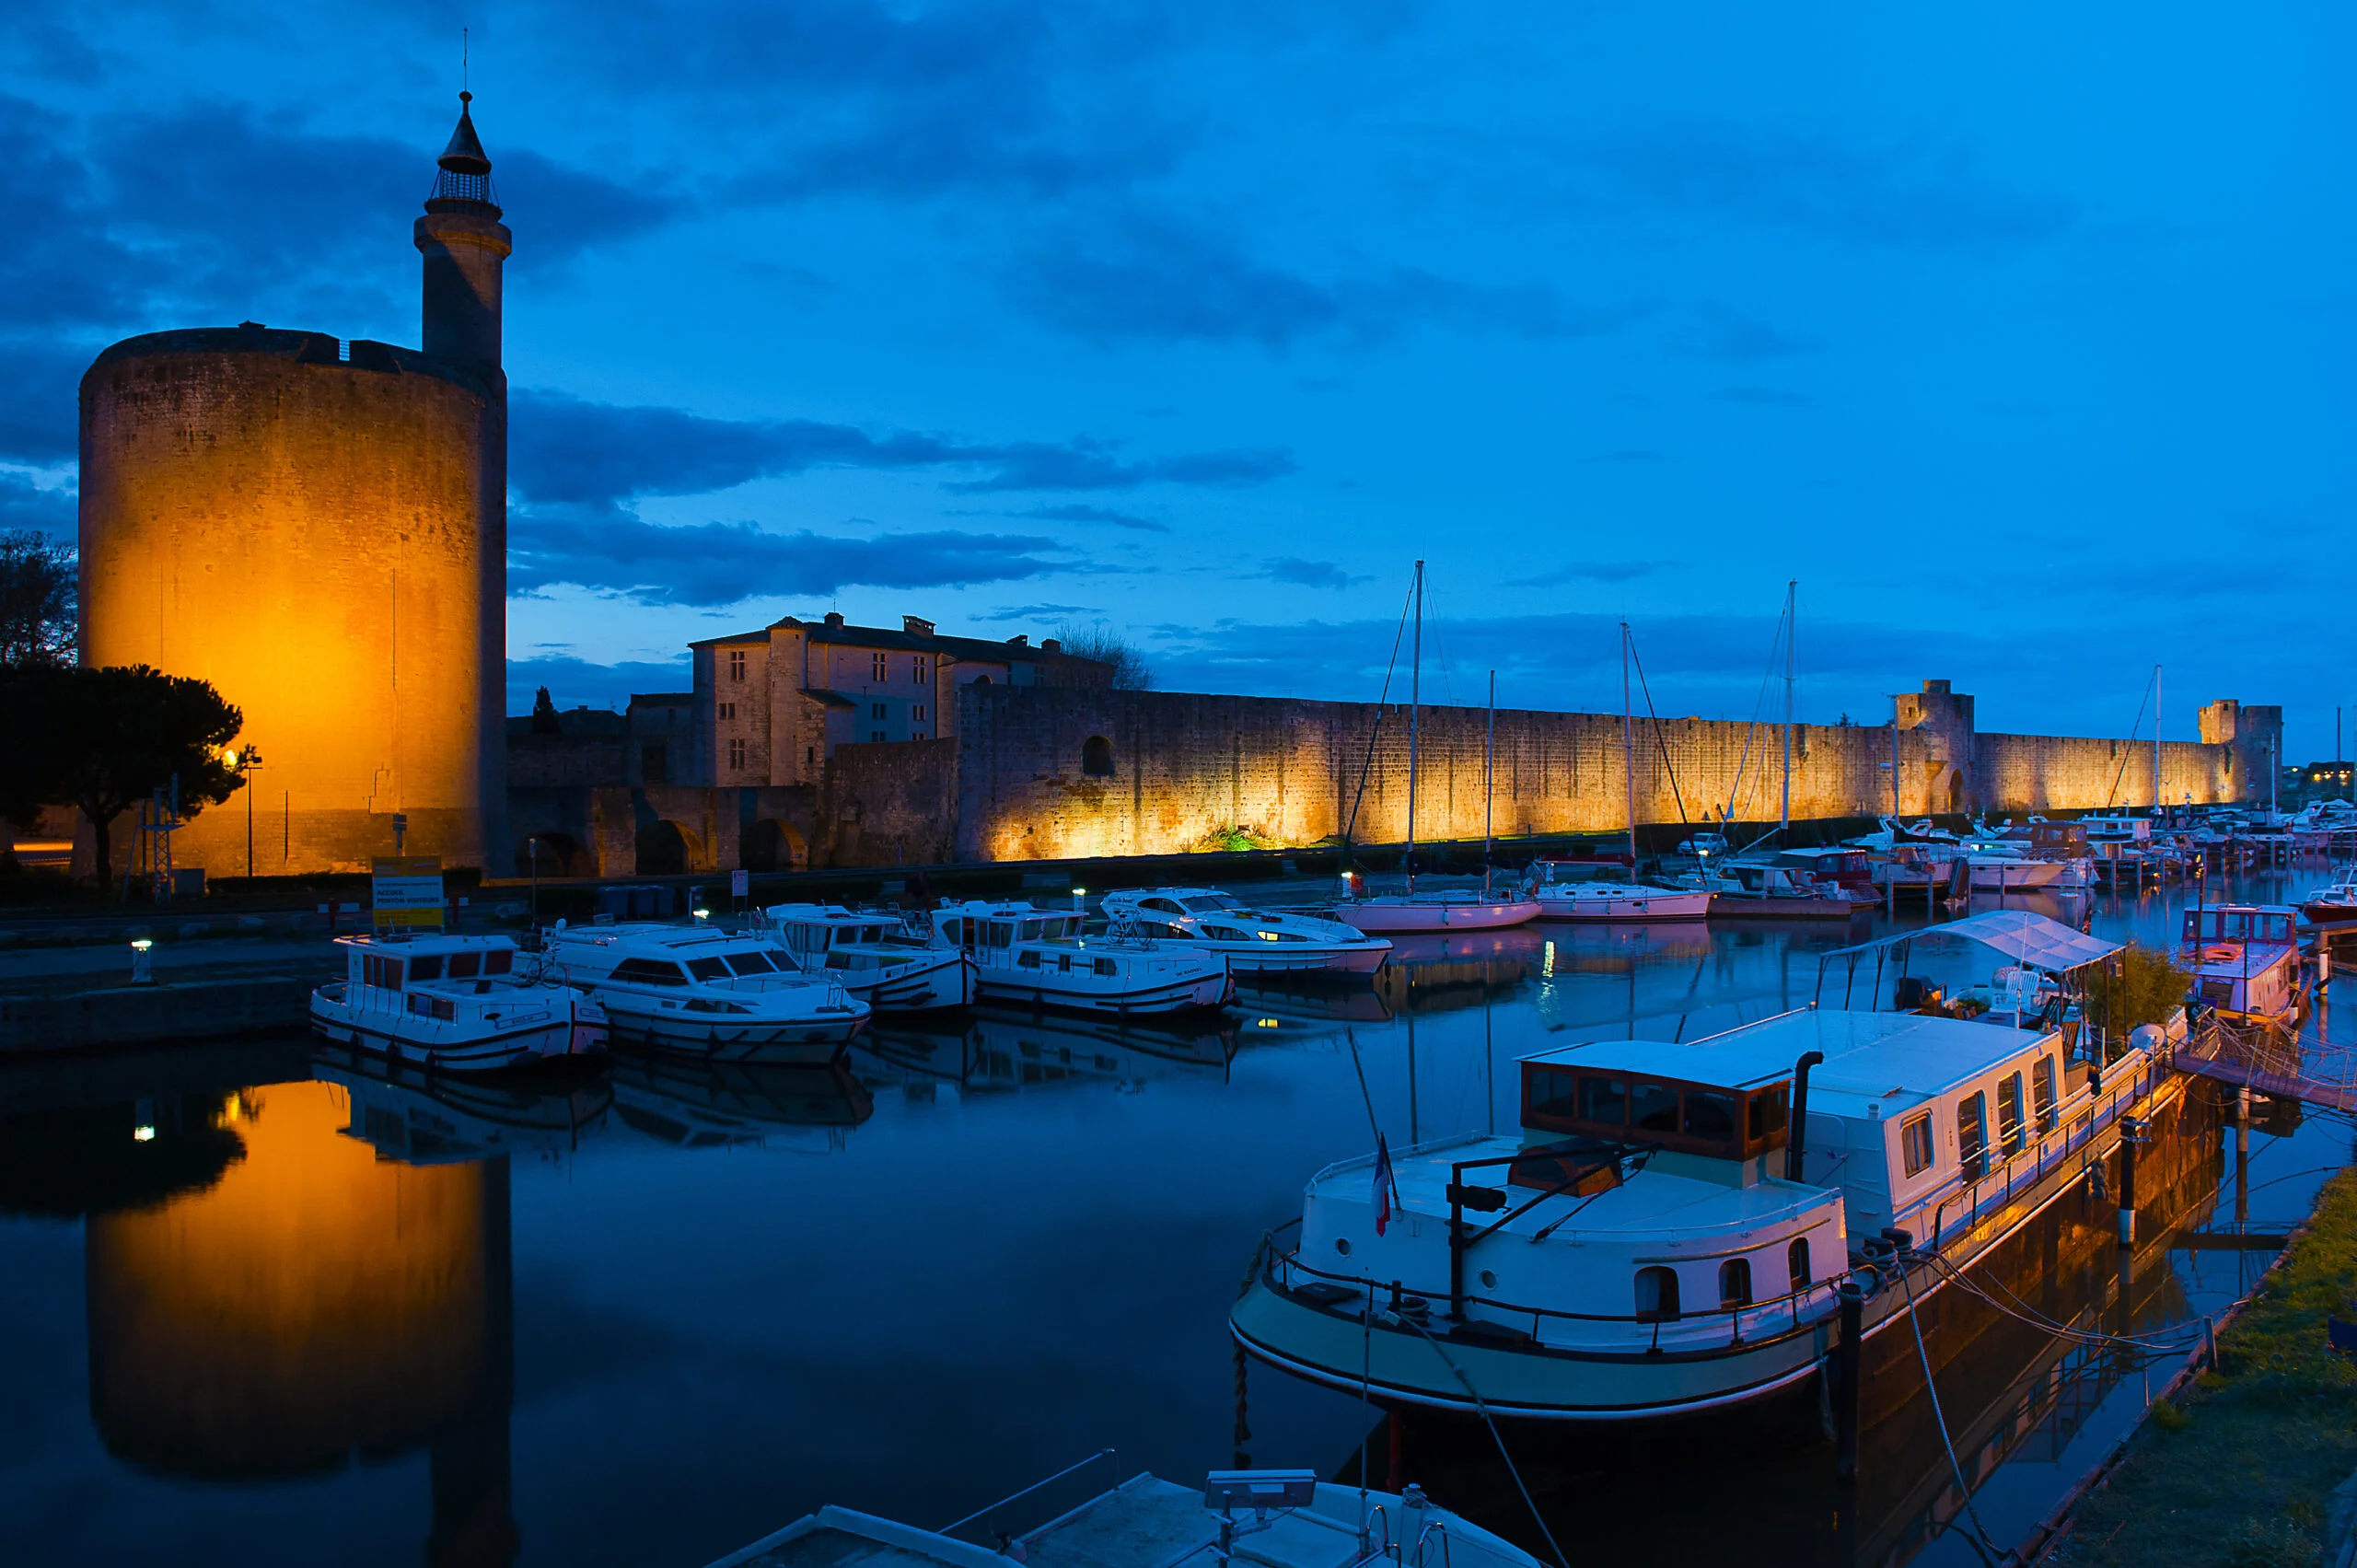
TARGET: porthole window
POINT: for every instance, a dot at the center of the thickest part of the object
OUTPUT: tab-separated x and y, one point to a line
1342	1245
1656	1295
1489	1280
1734	1282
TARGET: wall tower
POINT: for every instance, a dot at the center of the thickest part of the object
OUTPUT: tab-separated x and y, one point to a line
318	528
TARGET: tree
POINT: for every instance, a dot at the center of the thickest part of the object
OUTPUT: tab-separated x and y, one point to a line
105	739
36	599
2145	987
1107	647
544	719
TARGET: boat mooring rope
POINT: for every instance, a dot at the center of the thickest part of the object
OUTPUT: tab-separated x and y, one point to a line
1979	1536
1483	1405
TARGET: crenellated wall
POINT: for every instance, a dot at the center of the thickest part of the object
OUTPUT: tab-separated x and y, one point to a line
1185	769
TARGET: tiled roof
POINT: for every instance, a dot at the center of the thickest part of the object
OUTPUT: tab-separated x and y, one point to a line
884	637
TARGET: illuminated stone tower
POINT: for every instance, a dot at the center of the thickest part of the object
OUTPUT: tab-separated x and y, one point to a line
318	528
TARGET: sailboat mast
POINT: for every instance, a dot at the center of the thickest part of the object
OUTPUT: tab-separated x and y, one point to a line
1415	701
1627	748
1791	594
2156	741
1489	781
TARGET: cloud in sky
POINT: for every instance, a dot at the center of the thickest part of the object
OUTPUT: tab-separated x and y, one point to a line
1081	513
563	448
717	563
1308	574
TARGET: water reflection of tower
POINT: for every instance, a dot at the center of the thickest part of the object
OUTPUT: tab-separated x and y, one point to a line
316	1306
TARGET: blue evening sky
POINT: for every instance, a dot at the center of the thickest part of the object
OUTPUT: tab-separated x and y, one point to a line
2020	335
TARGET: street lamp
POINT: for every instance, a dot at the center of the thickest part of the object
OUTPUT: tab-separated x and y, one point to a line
243	764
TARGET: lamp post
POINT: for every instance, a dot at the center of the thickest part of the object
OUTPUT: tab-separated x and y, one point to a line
243	764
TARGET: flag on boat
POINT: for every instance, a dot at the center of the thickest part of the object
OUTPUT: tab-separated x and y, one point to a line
1382	1184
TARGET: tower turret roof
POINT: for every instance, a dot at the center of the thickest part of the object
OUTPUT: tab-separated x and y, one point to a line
464	183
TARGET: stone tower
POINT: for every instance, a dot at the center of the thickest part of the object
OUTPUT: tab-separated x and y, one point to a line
318	528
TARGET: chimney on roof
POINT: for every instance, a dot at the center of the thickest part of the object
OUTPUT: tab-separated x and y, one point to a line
1021	640
916	626
1052	646
834	618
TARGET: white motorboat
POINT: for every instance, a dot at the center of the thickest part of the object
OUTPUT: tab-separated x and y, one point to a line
1658	1241
718	994
1041	958
450	1004
1253	941
2000	867
1565	889
1396	914
875	956
2246	962
1149	1523
1741	887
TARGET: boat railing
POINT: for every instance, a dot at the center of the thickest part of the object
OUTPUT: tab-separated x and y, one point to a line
2023	1169
1739	1324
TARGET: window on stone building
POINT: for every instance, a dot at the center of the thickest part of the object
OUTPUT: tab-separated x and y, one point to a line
735	664
736	753
875	710
727	711
916	712
653	763
810	756
876	735
916	669
1097	756
882	660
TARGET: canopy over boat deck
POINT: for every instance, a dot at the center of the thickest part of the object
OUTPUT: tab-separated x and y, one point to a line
2031	941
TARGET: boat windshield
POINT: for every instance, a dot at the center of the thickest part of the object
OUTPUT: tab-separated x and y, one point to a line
2237	925
752	962
1212	901
710	968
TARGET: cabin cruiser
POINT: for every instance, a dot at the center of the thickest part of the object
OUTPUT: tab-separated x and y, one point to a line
1146	1522
1671	1229
873	956
2332	905
1408	913
700	992
451	1004
1253	941
2246	962
1742	888
1569	889
1039	956
2001	866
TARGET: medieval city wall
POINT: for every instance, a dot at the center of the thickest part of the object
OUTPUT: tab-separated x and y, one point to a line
1181	771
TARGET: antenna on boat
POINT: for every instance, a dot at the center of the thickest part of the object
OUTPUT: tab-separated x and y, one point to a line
1489	777
1627	748
1792	597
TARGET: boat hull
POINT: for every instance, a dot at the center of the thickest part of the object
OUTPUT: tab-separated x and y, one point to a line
1626	911
1737	906
791	1042
2015	877
1270	957
400	1038
1397	919
920	986
1038	989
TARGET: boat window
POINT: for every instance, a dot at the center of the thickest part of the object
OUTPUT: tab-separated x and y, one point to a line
1166	906
1735	1277
1030	931
433	1006
1214	902
998	934
1656	1295
754	962
1915	1143
463	965
1063	962
1972	1135
709	968
1796	1255
2279	928
2041	1094
952	932
1604	1099
383	973
1027	960
2009	1112
498	960
1549	1094
1107	967
1765	1112
425	967
1710	1116
649	971
1653	1107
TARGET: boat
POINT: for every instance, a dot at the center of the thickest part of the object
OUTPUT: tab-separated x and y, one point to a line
421	1118
873	956
1041	959
1253	941
2246	962
1674	1227
1267	1519
1565	891
1740	889
1999	866
450	1004
1844	865
698	991
1408	912
2333	905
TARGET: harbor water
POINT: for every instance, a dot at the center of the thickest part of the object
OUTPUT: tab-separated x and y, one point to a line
268	1304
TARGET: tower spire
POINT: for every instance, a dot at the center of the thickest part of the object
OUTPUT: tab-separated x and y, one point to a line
463	185
464	245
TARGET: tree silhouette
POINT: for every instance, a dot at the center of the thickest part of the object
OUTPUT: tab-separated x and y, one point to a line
544	719
105	739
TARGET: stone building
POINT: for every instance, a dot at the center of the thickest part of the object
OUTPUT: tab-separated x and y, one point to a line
319	528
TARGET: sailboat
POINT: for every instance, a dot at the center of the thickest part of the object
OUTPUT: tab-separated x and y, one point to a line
1391	914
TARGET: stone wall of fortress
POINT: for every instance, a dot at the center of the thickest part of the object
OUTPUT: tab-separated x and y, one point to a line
1185	769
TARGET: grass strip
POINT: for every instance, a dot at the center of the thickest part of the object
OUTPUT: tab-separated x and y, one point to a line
2238	1468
